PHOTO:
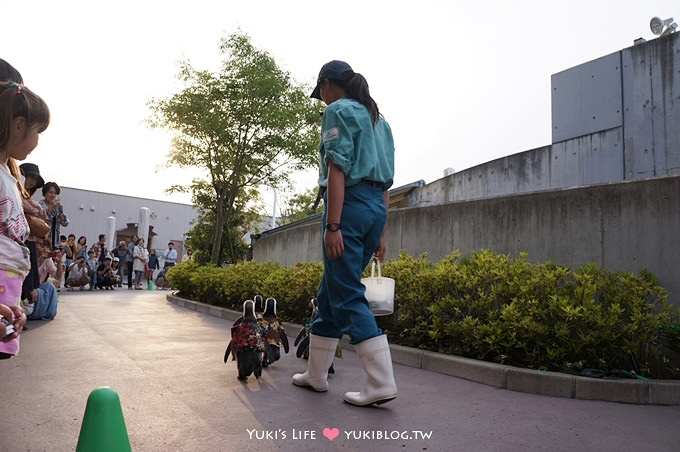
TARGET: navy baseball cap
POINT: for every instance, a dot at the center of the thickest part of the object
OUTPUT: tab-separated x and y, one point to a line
31	169
333	70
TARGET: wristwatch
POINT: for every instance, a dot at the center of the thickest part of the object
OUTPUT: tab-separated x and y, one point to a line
333	227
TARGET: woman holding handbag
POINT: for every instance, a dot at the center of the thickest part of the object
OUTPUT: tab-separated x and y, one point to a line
141	258
33	293
55	211
130	260
356	170
35	215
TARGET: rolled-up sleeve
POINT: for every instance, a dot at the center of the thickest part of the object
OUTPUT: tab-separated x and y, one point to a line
337	140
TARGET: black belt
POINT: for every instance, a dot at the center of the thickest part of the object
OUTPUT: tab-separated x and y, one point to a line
372	183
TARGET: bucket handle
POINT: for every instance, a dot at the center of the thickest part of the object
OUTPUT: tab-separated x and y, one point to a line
373	261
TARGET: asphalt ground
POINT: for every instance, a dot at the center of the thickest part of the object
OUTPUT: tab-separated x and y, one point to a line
176	393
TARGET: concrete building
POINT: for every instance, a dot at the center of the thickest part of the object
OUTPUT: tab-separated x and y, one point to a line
613	119
91	213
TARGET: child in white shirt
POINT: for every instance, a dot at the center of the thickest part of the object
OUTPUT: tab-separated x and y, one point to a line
23	116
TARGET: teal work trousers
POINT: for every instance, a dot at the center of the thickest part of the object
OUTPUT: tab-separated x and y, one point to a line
343	309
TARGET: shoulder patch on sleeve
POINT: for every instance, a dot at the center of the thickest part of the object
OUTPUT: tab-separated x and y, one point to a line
330	134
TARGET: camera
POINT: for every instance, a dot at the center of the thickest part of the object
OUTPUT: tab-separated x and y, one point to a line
8	326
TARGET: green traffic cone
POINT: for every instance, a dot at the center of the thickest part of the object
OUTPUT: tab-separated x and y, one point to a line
103	427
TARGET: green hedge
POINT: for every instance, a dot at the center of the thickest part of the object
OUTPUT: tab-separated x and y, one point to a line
485	306
228	287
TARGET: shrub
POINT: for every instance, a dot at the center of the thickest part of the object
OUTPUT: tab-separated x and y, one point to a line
505	310
245	280
180	278
485	306
208	285
293	288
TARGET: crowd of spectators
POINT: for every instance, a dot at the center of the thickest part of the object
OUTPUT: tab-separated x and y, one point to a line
66	262
63	261
98	268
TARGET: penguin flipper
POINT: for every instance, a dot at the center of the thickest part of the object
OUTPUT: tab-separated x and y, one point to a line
300	336
302	348
284	341
226	354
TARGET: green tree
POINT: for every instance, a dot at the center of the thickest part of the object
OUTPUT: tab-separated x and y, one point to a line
299	206
248	123
202	233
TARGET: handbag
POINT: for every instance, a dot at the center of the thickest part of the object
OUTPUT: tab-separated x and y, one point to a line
37	226
379	292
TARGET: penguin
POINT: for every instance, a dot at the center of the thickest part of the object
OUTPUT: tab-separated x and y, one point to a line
302	339
275	334
247	343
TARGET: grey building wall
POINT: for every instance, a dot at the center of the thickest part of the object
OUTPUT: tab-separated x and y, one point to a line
651	101
88	212
615	118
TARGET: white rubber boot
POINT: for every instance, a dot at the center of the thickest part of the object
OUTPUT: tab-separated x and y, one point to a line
321	354
380	387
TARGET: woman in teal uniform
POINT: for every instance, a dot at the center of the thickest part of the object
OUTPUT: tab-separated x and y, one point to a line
356	170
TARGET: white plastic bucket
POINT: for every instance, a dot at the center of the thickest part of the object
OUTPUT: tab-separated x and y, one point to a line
379	292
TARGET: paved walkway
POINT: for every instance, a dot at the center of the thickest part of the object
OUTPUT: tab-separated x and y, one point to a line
165	362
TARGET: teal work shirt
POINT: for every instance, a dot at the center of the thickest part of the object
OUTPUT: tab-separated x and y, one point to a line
351	142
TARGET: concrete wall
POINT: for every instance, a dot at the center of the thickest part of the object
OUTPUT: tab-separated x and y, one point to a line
591	159
619	226
615	118
651	107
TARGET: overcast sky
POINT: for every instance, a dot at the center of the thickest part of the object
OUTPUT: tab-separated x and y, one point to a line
460	82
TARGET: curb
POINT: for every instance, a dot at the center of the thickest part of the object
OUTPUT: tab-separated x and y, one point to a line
640	392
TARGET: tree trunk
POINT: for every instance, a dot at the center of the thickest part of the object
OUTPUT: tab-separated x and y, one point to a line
219	224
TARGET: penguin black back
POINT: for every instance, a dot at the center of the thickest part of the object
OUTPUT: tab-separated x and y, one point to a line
270	308
259	305
249	310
